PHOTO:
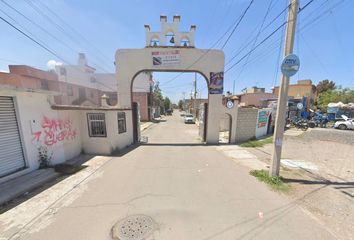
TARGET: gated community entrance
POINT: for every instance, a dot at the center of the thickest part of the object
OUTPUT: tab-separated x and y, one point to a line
160	56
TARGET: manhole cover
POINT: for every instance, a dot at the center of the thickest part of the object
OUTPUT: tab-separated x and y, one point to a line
135	227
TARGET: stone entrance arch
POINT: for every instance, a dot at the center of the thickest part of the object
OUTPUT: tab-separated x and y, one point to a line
181	57
130	62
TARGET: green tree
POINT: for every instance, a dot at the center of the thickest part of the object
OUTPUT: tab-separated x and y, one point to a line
180	104
167	103
325	85
344	95
157	96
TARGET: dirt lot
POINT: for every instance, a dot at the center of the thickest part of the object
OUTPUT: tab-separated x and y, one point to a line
325	185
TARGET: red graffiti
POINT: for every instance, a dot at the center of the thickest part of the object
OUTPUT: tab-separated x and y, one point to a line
54	131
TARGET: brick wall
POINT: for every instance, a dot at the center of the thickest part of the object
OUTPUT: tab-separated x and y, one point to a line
142	99
246	124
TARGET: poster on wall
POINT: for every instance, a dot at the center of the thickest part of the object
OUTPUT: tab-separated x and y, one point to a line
262	119
165	58
216	85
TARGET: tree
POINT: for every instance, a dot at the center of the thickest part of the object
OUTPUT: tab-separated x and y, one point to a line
344	95
167	103
180	104
157	96
325	85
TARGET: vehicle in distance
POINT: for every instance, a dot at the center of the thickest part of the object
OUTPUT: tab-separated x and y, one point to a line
169	112
347	123
189	118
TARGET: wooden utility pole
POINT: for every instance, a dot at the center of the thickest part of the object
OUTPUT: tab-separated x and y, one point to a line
283	91
195	92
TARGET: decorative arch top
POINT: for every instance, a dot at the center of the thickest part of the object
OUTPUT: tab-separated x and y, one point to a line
184	39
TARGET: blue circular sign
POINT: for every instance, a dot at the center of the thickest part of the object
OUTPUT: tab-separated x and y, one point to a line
290	65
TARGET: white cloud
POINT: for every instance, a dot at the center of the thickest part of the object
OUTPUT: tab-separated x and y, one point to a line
4	71
52	63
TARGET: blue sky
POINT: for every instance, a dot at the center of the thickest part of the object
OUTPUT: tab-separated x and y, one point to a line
324	40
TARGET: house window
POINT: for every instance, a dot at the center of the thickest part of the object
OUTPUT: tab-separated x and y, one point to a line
121	122
70	90
96	124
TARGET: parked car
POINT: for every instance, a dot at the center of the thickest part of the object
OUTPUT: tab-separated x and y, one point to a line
189	118
348	123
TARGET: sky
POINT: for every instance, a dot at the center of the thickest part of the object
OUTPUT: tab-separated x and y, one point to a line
323	42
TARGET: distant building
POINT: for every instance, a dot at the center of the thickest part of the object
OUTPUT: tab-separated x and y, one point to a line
85	75
303	88
254	97
26	77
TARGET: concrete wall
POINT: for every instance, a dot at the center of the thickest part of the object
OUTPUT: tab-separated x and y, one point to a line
63	131
246	124
114	141
254	99
40	126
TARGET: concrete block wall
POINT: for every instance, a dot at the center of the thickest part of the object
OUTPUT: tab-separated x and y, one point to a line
246	124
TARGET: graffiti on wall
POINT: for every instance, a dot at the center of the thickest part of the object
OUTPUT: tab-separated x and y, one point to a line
52	131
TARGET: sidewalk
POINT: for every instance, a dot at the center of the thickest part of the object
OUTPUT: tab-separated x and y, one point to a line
25	183
145	125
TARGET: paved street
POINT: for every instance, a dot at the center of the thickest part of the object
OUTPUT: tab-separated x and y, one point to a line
191	191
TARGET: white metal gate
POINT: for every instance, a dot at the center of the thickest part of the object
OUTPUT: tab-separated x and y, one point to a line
11	154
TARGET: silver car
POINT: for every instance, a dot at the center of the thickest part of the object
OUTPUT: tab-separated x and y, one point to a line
189	118
346	124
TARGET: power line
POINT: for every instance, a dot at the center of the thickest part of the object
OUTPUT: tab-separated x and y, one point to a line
43	46
310	22
32	39
60	28
237	24
265	39
254	43
75	31
242	48
208	50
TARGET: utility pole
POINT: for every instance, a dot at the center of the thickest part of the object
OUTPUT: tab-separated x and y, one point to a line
195	93
283	91
184	100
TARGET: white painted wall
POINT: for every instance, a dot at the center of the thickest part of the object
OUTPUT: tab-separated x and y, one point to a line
114	141
31	109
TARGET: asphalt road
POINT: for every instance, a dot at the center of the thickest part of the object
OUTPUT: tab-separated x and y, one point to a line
191	191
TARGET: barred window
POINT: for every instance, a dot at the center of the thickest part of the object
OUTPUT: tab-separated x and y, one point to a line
96	124
121	122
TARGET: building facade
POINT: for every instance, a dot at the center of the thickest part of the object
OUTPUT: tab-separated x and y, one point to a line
303	88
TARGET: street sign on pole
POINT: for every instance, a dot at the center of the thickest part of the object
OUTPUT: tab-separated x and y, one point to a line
290	65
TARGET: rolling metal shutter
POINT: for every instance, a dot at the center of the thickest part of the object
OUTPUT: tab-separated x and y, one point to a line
11	154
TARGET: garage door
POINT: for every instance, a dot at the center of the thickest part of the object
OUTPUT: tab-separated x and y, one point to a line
11	154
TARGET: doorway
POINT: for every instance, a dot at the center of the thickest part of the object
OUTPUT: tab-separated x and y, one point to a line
225	127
